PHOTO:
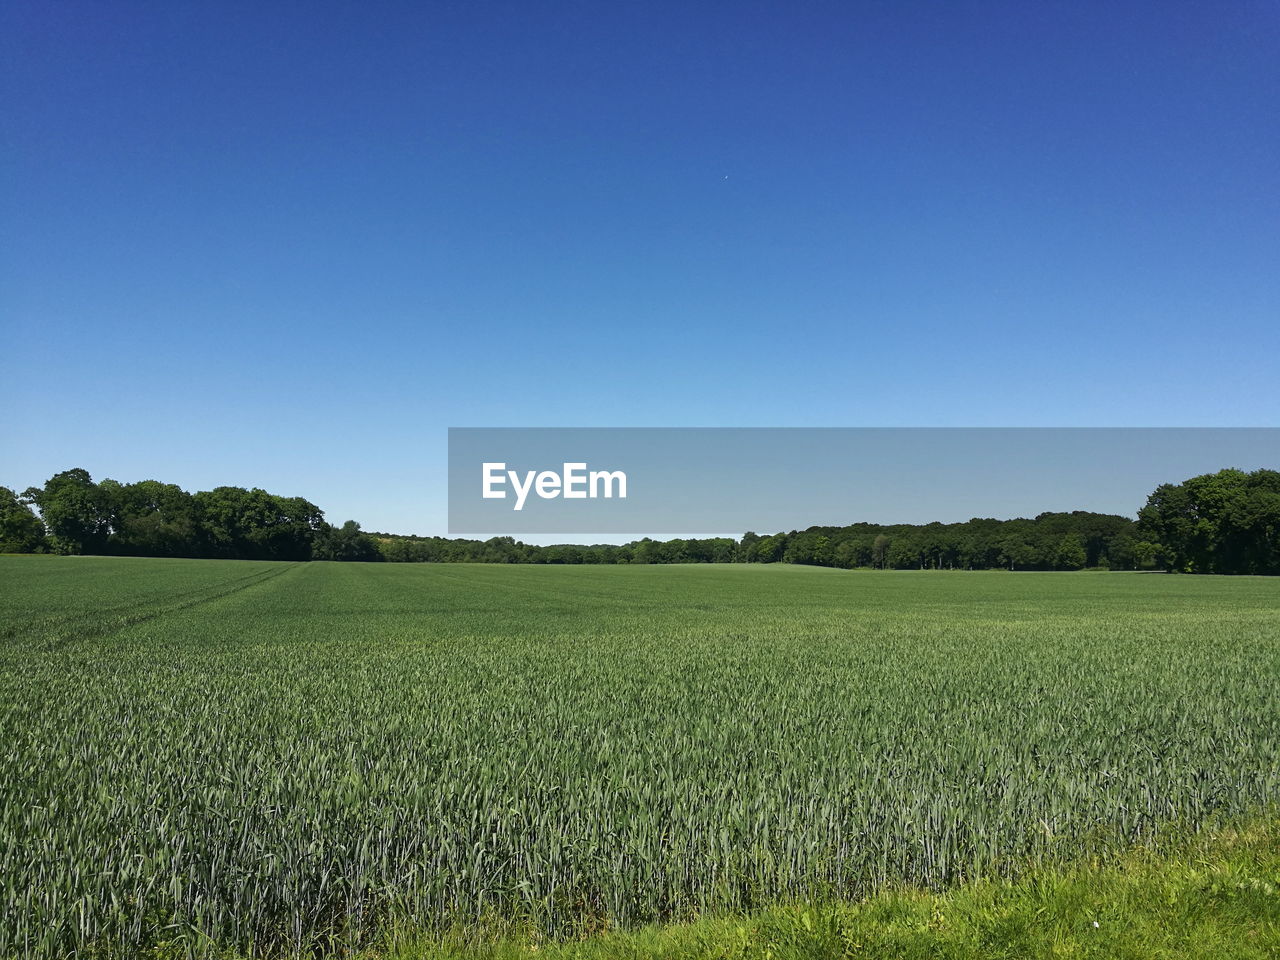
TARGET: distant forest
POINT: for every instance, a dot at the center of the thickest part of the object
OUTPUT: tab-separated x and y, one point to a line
1224	522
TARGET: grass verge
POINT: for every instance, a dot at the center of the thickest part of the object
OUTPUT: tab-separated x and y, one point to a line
1215	895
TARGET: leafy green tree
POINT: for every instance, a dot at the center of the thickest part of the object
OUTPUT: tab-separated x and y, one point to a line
1015	552
74	511
880	551
256	525
812	546
1070	554
852	551
152	519
226	516
771	549
1224	522
20	529
1249	528
347	542
1145	553
905	552
644	551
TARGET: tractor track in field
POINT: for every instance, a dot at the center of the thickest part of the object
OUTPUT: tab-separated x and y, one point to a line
103	622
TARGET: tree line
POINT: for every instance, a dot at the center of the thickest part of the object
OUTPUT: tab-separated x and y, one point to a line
1225	522
154	519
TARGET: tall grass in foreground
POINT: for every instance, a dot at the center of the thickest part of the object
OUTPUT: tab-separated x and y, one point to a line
1213	896
280	759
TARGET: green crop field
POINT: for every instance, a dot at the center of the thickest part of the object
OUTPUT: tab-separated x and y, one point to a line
275	758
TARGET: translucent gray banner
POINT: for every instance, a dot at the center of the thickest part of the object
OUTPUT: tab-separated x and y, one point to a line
637	480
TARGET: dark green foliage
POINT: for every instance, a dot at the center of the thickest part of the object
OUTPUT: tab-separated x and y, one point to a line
1052	541
508	550
1227	522
347	542
20	529
879	550
1070	554
74	510
153	519
256	525
1224	522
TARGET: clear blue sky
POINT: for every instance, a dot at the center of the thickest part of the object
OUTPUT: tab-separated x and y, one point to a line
287	245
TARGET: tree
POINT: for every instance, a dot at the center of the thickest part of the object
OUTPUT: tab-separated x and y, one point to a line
1249	527
771	549
151	519
347	542
1016	552
904	552
812	546
20	529
226	516
74	511
854	550
256	525
880	550
1224	522
1070	554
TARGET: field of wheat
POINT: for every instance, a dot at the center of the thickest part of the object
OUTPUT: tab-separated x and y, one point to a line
278	759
